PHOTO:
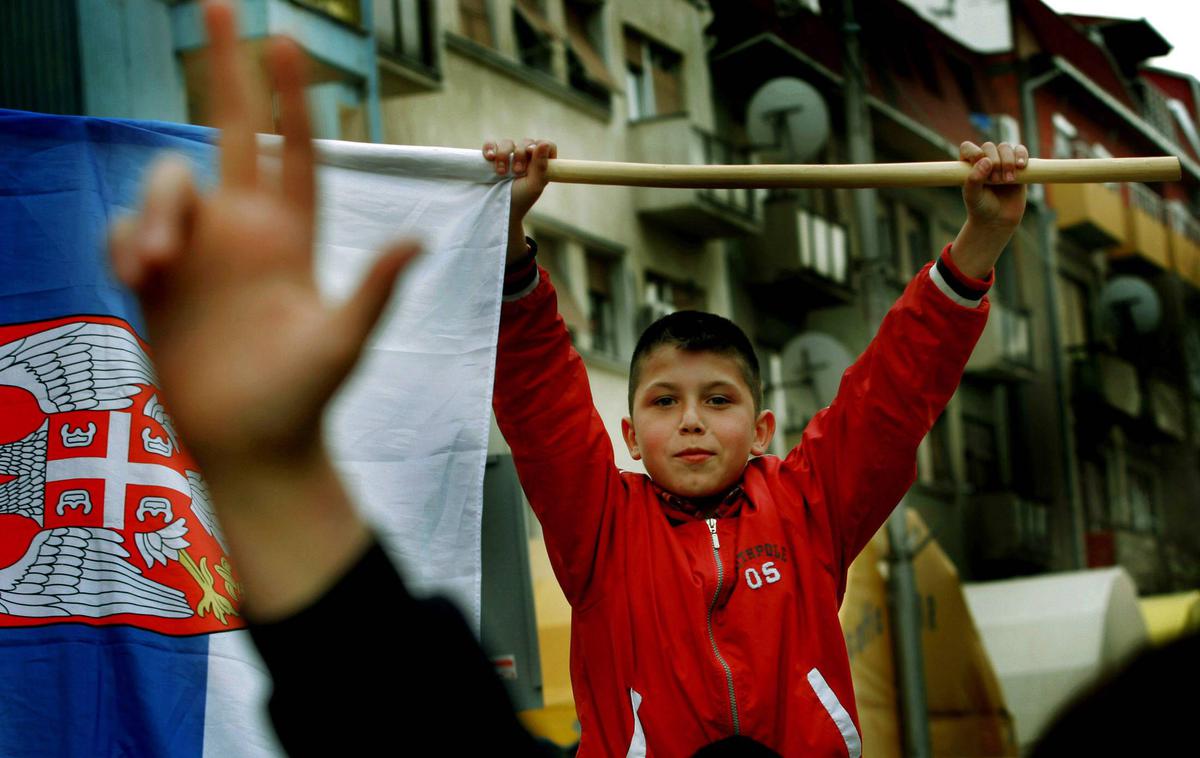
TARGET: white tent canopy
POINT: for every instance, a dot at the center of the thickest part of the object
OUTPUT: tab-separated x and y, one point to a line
1049	637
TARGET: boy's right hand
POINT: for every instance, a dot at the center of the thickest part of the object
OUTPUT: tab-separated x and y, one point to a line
528	159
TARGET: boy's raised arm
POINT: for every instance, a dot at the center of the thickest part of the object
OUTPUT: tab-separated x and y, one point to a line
860	452
543	401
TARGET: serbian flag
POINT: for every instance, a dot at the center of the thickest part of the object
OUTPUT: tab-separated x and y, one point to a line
120	629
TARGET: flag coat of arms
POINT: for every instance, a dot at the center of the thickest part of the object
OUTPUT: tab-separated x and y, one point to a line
120	629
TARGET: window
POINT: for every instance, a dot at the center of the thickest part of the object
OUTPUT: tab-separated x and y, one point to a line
1072	313
920	248
552	256
673	294
653	77
343	10
1143	500
601	289
404	29
535	35
1095	494
964	76
933	457
40	57
887	234
981	439
586	69
475	21
926	68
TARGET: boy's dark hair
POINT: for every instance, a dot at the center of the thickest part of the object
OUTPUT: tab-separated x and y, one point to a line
698	332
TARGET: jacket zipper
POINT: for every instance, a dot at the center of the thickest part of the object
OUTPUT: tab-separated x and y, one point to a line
716	544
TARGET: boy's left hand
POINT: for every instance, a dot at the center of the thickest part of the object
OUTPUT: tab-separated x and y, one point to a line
990	194
995	204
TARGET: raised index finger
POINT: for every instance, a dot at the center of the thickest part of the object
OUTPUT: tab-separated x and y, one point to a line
230	97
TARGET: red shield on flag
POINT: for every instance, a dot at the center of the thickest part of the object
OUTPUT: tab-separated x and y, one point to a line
104	517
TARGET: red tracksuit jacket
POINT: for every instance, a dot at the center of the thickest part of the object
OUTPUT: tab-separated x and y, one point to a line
685	631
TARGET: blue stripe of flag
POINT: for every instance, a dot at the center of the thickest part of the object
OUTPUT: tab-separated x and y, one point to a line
74	689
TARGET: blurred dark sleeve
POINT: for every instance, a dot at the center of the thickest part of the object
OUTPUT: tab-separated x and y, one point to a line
368	668
1148	708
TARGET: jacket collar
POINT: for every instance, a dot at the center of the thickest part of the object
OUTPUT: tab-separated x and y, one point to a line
681	509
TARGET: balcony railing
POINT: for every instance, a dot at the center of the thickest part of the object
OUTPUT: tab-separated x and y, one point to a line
696	212
1184	236
720	151
346	11
1007	527
1110	380
1146	227
1090	213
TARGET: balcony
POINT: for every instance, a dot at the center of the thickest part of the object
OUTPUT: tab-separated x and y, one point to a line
1008	533
704	213
1109	381
328	30
1146	229
1183	236
1091	214
800	262
1005	349
1168	409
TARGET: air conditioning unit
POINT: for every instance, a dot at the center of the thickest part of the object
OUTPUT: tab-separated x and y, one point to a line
822	246
651	312
1004	128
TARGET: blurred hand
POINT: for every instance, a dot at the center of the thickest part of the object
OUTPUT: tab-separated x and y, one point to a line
528	160
247	352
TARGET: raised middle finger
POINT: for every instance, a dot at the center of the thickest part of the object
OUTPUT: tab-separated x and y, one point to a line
231	97
287	69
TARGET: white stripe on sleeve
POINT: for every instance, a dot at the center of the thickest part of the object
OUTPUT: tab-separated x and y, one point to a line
840	716
637	745
948	291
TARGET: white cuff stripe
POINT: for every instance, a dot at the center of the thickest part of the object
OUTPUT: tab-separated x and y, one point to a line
949	292
637	745
840	716
537	277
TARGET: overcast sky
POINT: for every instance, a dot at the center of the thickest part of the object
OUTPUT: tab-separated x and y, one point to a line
984	23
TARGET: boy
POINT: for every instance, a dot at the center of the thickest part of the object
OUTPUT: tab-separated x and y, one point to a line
705	595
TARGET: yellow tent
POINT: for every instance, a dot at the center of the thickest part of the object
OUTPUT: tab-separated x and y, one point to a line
968	717
1171	616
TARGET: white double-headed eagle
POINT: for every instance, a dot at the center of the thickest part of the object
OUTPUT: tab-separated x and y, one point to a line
76	570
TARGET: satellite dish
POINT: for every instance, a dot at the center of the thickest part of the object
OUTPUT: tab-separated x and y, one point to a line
1129	306
813	364
788	121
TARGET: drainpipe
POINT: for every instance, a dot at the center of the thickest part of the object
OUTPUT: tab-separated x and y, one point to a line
903	602
1045	217
371	88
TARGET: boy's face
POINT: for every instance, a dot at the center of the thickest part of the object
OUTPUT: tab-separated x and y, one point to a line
694	425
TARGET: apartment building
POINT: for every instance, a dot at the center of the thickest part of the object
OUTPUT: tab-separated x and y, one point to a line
1125	290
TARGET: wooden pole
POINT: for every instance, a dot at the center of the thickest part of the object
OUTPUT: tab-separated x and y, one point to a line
934	174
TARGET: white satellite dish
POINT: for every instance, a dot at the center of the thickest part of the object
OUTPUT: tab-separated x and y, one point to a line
813	364
787	121
1129	306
